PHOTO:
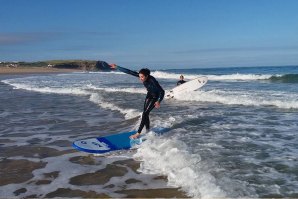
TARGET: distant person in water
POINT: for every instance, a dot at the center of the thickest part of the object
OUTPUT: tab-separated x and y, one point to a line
181	81
155	94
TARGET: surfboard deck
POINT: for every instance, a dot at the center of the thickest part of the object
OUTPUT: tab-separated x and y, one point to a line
191	85
110	143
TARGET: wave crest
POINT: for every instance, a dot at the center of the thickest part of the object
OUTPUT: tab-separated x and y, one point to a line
288	78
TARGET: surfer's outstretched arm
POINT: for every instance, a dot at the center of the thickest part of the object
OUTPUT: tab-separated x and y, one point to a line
125	70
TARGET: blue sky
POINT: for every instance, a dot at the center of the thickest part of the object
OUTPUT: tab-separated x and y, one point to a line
153	33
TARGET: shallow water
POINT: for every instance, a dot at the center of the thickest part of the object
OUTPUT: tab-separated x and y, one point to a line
235	137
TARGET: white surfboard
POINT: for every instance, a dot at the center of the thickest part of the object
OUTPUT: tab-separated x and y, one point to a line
191	85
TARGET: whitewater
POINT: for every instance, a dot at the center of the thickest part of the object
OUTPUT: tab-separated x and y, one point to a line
234	137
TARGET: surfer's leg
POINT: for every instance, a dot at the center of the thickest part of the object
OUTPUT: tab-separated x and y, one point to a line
148	106
145	116
147	123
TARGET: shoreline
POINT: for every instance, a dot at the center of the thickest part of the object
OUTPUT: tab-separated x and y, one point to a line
30	70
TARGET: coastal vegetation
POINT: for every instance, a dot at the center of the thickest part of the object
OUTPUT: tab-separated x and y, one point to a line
85	65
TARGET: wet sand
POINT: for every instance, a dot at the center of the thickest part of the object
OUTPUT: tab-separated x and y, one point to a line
15	171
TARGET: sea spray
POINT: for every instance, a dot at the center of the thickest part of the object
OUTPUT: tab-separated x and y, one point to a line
170	157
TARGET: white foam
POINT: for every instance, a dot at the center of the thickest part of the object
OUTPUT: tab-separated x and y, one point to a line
116	90
167	75
248	98
170	157
94	97
67	171
72	91
128	113
236	76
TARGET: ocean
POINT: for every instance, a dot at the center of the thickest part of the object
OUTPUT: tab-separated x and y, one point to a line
234	137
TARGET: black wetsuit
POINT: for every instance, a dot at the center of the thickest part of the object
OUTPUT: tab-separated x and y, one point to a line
154	93
180	82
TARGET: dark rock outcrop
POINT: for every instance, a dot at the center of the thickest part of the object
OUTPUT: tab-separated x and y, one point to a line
85	65
102	66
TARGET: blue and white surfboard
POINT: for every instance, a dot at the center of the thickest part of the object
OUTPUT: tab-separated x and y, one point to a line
105	144
114	142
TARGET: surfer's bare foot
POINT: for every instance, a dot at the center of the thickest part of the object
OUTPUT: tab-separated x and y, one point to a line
134	136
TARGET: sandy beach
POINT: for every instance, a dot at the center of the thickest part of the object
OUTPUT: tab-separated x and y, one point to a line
24	70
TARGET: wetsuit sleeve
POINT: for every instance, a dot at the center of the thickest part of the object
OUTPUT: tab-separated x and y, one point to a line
160	90
127	71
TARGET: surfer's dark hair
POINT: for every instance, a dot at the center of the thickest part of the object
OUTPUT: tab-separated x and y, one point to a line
145	71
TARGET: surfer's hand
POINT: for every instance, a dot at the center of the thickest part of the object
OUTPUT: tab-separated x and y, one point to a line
157	104
134	136
113	66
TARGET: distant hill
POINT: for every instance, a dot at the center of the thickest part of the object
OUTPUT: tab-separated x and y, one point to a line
85	65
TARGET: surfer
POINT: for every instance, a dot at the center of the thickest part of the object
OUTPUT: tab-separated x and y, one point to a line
181	81
155	94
